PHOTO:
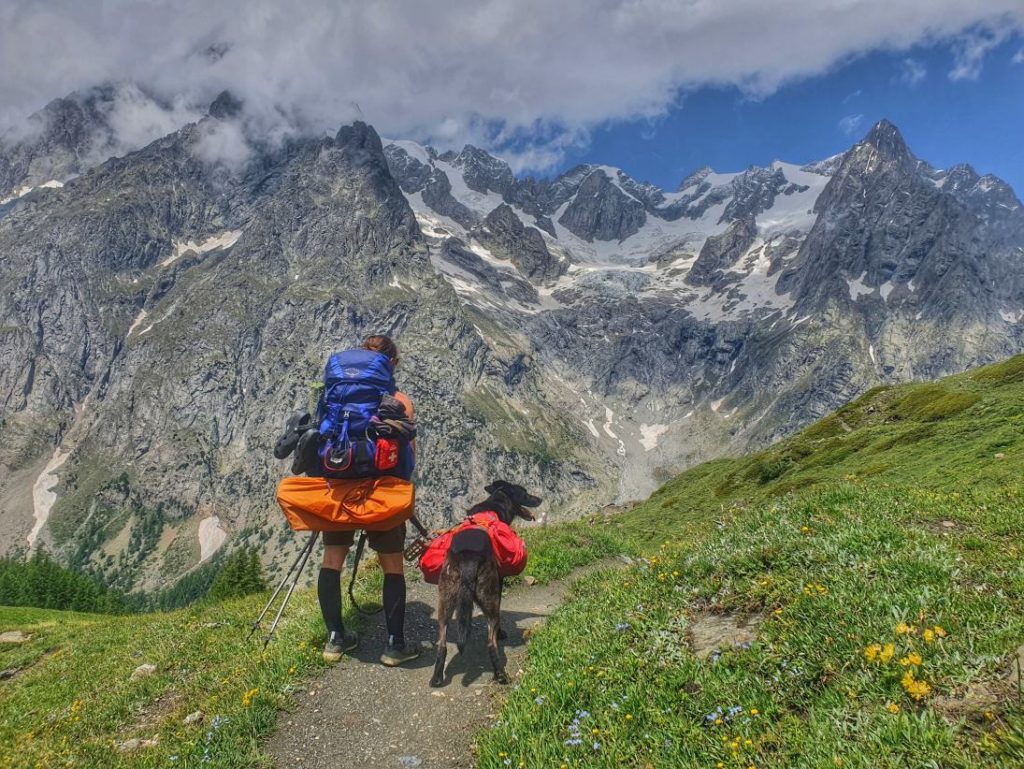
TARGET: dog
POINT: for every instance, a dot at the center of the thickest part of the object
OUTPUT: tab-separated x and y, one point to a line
470	575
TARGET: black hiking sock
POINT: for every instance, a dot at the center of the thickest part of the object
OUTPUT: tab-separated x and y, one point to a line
328	590
394	607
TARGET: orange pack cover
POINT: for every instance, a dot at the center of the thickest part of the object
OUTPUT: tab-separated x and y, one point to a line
332	504
509	549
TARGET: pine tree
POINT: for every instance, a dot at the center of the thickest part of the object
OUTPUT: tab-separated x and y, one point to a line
240	575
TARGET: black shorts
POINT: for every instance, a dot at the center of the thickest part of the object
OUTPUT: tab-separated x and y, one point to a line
390	541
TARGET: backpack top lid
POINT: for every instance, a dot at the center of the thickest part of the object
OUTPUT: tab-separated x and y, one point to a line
360	367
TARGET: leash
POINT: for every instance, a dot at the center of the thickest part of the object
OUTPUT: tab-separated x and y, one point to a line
419	545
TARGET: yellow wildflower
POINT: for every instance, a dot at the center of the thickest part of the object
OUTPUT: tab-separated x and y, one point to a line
893	708
911	659
871	651
754	711
629	716
904	629
917	689
887	652
928	635
939	631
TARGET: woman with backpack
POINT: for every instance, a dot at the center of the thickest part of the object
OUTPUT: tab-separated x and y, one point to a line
387	544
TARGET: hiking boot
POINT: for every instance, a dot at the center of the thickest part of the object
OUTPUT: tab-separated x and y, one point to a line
395	653
339	643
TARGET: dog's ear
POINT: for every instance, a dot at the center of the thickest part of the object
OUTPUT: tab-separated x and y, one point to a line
494	486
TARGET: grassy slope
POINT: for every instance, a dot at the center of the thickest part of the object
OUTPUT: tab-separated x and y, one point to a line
73	701
873	484
903	507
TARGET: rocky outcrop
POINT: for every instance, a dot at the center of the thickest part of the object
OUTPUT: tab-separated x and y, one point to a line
719	252
600	210
505	235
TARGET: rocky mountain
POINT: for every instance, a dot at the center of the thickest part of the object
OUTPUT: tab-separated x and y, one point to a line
591	334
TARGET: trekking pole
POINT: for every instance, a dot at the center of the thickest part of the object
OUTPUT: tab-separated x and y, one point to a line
308	546
352	582
291	589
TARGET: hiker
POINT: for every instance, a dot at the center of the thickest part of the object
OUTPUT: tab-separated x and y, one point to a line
387	544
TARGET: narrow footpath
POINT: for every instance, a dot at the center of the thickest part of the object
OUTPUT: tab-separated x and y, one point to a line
361	714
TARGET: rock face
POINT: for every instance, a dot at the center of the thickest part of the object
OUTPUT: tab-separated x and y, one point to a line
588	335
719	252
165	317
505	235
601	210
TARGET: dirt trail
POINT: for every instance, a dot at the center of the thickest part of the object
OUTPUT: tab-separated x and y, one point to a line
361	714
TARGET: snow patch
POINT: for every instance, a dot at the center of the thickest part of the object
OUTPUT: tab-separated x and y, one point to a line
650	435
224	239
138	319
858	287
609	418
590	426
211	537
22	191
716	405
1011	316
43	494
885	289
871	352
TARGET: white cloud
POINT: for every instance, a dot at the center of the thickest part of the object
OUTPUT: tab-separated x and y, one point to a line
912	72
458	70
851	124
1018	58
970	50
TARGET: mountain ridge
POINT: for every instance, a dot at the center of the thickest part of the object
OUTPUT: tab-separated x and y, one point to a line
590	334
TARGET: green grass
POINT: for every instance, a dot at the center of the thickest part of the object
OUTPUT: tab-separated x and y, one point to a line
73	701
905	506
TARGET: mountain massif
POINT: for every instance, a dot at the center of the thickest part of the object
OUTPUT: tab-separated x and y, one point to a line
162	311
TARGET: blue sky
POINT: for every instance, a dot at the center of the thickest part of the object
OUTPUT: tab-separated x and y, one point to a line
979	120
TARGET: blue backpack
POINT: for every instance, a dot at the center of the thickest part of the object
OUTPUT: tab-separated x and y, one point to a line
354	383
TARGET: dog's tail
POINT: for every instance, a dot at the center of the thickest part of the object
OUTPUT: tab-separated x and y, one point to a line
468	569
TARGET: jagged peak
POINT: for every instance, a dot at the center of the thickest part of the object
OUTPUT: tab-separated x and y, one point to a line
225	106
887	139
695	178
359	135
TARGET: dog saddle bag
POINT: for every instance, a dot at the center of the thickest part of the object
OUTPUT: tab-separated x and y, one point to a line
333	504
508	548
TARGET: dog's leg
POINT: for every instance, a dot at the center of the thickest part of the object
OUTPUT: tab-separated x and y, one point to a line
445	608
489	598
502	635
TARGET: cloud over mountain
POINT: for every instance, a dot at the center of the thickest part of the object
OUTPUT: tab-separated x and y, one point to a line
499	73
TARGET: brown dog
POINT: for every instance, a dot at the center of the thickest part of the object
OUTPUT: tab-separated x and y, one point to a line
470	575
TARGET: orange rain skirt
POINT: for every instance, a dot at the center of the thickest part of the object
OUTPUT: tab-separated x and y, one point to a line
330	504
